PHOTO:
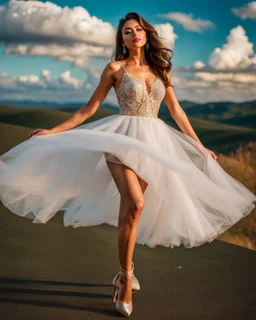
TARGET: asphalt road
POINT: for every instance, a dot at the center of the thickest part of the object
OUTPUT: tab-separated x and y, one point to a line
52	272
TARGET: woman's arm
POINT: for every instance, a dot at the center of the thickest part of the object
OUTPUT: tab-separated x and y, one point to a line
88	110
181	118
178	114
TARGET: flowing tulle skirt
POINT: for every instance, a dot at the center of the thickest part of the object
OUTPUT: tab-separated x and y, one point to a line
189	200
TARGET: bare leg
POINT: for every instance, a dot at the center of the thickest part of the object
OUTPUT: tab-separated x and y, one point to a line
131	189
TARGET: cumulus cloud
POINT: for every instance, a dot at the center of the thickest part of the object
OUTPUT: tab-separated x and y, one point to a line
34	28
203	87
235	54
64	88
229	74
188	22
246	12
44	29
199	65
229	77
37	21
233	64
44	87
67	79
166	34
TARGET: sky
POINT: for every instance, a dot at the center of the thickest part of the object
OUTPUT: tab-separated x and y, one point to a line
55	51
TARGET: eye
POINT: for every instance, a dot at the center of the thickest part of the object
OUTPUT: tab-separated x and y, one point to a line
136	29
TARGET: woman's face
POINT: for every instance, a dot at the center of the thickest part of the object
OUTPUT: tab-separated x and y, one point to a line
134	36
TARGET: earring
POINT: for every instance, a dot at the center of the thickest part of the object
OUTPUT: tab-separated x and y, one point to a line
147	45
124	50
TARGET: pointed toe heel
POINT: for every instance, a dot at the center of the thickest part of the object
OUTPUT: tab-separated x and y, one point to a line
122	307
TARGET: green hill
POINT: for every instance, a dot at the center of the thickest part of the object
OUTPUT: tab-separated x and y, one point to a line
237	113
217	136
38	117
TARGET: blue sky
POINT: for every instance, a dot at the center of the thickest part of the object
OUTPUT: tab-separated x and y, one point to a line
189	46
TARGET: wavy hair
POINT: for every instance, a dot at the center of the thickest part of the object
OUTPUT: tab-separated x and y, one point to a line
156	55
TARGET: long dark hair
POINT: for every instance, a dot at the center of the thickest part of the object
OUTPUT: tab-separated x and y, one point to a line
156	55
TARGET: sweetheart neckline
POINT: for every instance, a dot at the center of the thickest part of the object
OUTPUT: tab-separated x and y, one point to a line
143	84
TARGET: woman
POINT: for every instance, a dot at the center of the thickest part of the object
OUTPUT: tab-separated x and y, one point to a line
132	161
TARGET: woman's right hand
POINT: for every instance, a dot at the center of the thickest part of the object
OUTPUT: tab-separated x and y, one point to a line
39	132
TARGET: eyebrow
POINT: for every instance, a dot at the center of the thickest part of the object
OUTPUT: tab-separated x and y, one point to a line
134	27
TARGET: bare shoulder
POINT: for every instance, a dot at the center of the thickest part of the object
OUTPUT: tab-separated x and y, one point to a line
114	65
112	68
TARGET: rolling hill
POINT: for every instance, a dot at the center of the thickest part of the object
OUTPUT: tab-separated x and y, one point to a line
218	136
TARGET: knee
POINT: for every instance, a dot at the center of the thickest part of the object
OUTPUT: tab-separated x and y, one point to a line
135	206
132	212
139	205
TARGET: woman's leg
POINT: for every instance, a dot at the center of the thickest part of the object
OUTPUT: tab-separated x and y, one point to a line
131	189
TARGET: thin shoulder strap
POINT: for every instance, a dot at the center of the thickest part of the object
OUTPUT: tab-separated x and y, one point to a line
122	66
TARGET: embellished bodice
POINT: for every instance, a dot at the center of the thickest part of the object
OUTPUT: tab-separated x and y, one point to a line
134	99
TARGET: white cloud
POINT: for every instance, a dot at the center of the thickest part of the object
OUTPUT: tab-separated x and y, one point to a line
44	29
230	77
188	22
229	74
34	28
203	87
64	88
32	19
46	75
65	82
246	12
166	34
235	53
67	79
30	81
199	65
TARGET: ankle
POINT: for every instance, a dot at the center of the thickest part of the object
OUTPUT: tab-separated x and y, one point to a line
124	278
124	271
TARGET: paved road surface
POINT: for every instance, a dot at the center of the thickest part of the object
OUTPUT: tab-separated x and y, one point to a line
52	272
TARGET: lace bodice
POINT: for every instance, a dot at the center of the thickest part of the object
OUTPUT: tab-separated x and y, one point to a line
134	99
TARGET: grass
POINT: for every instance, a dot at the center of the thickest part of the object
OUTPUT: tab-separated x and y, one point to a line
241	164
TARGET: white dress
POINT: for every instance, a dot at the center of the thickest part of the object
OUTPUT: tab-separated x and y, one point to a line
189	200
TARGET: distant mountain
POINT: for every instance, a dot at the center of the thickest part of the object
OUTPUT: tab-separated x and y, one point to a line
235	113
240	113
218	136
41	104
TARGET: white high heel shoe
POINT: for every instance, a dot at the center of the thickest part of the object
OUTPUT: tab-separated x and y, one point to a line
135	281
124	308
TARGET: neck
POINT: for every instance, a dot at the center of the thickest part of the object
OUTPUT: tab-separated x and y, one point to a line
137	57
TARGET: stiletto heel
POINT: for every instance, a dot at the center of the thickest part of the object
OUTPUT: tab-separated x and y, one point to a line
135	282
114	294
124	308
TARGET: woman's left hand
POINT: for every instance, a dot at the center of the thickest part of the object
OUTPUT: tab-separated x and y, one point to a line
211	153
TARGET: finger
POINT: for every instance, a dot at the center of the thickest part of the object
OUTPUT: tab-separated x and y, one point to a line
34	131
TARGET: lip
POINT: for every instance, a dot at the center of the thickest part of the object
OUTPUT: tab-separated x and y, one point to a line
137	39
